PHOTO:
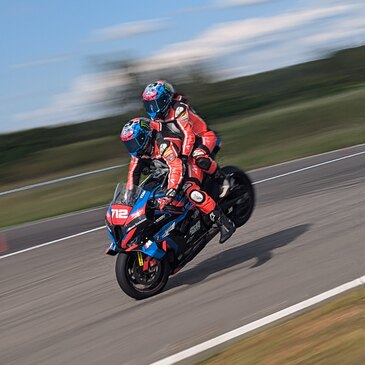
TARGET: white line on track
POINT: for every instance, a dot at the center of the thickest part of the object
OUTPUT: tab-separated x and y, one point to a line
309	167
192	351
256	182
51	242
44	183
250	172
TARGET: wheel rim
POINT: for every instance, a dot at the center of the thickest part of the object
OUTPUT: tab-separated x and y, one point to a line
244	205
143	281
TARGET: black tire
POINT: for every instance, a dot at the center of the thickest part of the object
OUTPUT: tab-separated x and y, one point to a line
242	188
135	282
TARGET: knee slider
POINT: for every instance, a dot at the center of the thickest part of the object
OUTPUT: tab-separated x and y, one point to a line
204	163
197	196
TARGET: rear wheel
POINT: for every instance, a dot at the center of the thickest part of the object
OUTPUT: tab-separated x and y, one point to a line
242	194
137	283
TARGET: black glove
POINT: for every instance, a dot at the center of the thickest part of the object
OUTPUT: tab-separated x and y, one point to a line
146	170
162	202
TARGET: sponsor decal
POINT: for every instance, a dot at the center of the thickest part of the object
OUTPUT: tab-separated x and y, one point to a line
148	244
136	224
186	186
137	214
170	229
160	218
140	258
184	117
195	228
169	155
179	110
198	152
163	147
144	124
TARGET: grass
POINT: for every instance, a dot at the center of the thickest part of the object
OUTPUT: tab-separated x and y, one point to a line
56	199
63	161
296	131
283	134
333	333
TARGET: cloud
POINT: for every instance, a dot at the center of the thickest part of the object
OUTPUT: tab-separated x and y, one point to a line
219	4
226	38
86	93
127	30
231	3
236	48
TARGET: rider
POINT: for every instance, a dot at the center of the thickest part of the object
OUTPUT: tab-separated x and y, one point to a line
161	102
145	144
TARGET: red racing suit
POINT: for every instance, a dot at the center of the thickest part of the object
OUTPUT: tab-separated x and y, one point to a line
198	140
167	147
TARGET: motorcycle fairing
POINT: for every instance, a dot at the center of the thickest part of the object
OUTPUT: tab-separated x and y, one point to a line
167	228
150	248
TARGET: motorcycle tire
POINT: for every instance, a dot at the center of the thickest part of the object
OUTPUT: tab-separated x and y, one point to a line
135	282
242	187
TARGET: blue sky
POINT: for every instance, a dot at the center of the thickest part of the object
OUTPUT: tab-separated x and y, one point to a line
50	49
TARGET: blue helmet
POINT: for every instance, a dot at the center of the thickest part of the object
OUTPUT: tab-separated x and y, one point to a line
157	98
136	135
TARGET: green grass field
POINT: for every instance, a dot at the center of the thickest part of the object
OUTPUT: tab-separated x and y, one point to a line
331	334
279	135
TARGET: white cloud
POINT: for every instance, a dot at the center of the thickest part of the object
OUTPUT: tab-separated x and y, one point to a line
220	4
86	92
226	38
127	30
230	3
241	47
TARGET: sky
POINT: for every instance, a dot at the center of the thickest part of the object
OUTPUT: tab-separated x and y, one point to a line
52	52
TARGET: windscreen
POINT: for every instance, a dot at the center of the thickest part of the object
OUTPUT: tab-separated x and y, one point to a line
125	196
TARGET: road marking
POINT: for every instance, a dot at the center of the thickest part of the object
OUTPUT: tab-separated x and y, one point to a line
51	242
299	159
50	219
195	350
32	186
250	172
309	167
254	183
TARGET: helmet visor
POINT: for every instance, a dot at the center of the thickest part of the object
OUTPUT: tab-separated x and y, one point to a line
132	146
155	106
136	145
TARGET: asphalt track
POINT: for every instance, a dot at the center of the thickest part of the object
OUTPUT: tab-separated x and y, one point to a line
60	304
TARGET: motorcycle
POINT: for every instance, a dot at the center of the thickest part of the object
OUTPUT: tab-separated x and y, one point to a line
151	244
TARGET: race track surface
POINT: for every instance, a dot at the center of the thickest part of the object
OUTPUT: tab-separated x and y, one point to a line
61	304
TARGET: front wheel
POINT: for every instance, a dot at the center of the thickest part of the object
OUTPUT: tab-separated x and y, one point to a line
137	283
242	194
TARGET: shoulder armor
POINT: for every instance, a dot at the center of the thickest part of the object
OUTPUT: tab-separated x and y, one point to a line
179	108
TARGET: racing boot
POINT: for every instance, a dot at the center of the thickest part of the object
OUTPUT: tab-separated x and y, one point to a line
225	225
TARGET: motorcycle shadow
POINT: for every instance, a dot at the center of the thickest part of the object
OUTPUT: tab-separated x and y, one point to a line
261	249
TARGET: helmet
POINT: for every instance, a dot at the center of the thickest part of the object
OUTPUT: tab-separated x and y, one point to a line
136	135
157	98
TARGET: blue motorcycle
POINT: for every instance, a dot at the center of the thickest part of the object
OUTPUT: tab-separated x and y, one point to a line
151	244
